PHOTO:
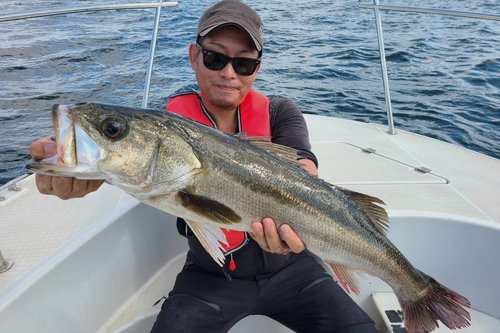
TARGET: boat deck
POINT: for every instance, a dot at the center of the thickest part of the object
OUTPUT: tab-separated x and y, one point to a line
460	182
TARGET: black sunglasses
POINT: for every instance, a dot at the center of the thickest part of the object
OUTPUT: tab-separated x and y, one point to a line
216	61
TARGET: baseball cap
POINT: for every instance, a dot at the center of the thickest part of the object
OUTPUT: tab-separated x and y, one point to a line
232	12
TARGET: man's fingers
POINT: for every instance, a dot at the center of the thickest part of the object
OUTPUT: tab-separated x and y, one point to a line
259	236
43	148
62	187
292	239
44	183
267	236
66	187
69	188
79	185
274	241
58	186
93	185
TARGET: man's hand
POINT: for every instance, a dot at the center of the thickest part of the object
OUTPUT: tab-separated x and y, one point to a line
62	187
266	235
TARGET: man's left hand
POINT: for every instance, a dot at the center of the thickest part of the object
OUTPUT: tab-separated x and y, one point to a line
267	236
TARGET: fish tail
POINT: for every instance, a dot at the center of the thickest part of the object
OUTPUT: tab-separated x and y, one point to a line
439	303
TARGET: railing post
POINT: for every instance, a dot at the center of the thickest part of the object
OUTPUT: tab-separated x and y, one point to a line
376	7
152	51
5	264
385	79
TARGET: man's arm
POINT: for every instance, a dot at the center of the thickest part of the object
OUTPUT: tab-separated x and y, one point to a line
62	187
309	166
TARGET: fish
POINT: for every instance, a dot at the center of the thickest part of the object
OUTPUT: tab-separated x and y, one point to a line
217	180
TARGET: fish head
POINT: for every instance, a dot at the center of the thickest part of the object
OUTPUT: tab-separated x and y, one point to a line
127	146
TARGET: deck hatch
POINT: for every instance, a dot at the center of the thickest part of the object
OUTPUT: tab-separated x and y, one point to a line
350	164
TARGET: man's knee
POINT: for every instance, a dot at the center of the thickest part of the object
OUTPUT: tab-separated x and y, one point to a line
330	309
186	313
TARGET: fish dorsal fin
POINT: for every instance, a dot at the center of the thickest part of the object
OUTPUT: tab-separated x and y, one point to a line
345	277
378	215
284	153
207	208
211	237
243	135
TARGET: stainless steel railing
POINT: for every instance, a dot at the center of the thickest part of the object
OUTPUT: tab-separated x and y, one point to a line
72	10
152	49
377	8
444	12
62	11
383	65
160	4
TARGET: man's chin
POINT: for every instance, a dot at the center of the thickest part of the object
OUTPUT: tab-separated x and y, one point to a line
224	104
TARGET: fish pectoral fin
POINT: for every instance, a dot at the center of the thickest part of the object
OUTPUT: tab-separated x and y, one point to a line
210	237
377	214
345	277
207	208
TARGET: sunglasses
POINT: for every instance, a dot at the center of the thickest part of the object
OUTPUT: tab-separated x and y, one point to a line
216	61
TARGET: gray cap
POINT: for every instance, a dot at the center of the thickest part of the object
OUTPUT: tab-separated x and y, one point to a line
232	12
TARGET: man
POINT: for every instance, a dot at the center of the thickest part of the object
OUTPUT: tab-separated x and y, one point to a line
268	273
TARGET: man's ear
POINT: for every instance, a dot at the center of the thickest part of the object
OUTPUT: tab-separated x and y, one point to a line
193	52
258	67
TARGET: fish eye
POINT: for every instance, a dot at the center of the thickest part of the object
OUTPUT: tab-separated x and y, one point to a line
114	128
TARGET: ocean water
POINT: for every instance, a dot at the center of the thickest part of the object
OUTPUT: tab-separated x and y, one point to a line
444	72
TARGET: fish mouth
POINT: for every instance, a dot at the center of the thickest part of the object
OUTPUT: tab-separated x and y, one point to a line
64	129
76	153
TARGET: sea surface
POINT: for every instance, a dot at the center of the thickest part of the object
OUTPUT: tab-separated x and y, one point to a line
444	72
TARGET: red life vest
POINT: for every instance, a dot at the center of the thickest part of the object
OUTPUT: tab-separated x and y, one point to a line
253	119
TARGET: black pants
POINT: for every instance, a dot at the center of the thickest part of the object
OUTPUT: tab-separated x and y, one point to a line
302	296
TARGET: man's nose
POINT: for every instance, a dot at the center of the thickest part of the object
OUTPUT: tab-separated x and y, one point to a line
228	71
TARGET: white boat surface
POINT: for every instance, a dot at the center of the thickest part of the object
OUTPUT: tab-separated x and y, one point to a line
99	264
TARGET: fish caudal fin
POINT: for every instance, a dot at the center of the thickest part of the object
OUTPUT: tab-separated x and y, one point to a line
440	303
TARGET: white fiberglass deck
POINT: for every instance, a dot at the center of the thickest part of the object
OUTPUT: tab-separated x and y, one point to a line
43	235
461	182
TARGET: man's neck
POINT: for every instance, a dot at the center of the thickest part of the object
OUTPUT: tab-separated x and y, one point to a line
225	120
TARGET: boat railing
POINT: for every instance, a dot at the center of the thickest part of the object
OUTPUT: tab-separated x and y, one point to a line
161	4
11	186
62	11
378	21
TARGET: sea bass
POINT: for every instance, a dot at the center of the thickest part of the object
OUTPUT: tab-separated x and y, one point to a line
213	180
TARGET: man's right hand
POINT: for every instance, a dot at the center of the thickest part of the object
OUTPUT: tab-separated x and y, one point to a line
62	187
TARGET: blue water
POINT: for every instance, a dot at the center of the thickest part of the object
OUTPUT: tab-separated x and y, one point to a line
443	71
